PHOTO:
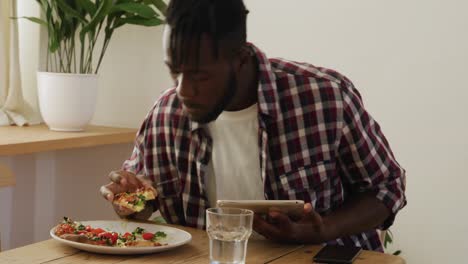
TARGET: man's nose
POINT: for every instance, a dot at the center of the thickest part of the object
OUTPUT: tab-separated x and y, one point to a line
185	88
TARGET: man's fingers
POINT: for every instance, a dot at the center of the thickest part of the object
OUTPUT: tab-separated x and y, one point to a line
132	180
106	193
109	190
146	182
259	226
115	176
266	229
122	181
129	181
311	215
280	219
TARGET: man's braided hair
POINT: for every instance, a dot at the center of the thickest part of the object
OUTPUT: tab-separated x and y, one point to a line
224	21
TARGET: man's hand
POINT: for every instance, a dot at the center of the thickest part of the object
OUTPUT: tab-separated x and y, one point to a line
123	181
309	228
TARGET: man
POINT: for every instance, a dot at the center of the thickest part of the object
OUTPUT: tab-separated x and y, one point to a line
238	125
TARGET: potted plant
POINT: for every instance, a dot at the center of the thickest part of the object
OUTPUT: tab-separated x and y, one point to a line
387	240
67	90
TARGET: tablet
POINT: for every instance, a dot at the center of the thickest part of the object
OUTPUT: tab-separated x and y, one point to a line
290	207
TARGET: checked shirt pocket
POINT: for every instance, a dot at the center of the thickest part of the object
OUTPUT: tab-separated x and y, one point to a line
311	183
170	201
169	188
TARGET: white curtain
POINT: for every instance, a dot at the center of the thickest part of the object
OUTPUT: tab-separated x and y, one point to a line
11	97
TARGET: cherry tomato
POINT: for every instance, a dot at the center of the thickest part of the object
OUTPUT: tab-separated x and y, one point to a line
98	231
111	238
148	236
127	235
107	235
114	238
88	228
65	229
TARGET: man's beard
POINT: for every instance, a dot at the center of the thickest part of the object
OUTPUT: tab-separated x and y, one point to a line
229	93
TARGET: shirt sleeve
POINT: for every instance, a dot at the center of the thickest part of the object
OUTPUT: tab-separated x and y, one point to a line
366	160
135	163
145	150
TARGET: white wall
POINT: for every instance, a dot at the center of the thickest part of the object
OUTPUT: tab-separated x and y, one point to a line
132	76
408	59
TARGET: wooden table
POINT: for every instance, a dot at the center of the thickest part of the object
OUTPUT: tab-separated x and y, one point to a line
259	251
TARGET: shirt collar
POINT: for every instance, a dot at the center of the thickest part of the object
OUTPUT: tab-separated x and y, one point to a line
194	125
267	92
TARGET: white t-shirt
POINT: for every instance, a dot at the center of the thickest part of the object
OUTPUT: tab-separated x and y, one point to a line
234	170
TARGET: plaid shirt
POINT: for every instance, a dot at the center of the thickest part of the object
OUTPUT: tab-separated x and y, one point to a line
317	143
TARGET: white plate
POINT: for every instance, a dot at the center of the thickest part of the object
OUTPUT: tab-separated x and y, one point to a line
175	237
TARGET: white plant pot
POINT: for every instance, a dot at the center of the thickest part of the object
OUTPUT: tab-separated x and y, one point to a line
67	101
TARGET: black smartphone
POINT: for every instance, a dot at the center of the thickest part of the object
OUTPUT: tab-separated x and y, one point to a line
335	254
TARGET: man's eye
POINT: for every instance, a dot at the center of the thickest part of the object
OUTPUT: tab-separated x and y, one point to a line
175	77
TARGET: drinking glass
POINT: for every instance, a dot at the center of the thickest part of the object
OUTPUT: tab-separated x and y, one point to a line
229	230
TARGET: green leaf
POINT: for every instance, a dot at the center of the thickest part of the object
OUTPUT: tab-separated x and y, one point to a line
44	4
138	230
88	6
102	11
140	205
68	27
142	197
138	21
49	14
396	253
33	19
160	5
54	43
160	234
136	8
388	239
69	10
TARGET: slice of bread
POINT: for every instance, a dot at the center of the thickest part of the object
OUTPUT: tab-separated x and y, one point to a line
134	201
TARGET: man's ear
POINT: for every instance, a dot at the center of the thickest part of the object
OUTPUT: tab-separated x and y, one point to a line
245	54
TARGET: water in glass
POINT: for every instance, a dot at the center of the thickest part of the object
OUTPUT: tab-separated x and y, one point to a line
228	230
228	246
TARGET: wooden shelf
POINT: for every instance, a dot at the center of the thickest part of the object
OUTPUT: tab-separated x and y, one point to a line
6	176
31	139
